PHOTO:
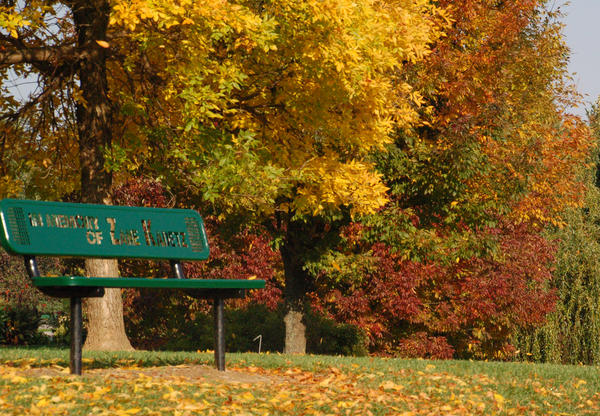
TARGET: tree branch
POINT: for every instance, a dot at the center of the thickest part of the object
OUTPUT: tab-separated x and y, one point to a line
13	116
53	55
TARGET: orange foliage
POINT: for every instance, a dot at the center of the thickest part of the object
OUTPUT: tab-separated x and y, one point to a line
498	80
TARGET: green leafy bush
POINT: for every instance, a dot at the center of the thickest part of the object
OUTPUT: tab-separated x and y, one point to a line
325	336
3	325
245	325
242	327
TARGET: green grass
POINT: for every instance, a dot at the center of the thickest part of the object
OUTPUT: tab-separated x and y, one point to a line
299	385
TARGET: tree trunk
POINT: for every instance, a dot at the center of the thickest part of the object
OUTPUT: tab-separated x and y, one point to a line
106	329
293	253
295	332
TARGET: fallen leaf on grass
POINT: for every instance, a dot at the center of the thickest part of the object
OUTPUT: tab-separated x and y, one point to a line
390	385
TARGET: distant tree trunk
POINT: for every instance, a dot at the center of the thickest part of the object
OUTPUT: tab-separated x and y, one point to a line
295	332
293	253
106	330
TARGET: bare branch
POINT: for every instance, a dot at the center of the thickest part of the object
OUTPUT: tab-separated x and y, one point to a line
12	116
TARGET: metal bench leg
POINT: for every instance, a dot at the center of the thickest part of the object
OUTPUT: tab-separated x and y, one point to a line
76	336
218	309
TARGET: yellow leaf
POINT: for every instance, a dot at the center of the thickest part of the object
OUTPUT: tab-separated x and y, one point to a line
42	403
390	385
326	382
103	43
18	379
100	392
247	396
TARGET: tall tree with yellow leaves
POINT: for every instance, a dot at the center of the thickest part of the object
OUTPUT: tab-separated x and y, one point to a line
271	109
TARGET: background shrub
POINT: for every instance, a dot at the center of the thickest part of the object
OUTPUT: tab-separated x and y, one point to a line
22	305
571	333
19	325
325	336
171	321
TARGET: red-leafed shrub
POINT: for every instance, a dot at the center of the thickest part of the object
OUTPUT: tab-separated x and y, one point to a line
421	345
461	308
246	255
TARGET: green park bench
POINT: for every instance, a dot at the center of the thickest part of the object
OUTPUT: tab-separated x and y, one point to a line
56	229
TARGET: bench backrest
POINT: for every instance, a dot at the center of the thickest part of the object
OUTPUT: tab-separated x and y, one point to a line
33	228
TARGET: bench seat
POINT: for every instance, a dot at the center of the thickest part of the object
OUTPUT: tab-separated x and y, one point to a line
143	282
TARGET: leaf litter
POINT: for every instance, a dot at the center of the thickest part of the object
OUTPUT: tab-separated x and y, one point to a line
250	390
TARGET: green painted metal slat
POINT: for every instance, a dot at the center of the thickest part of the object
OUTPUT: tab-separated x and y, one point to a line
141	282
41	228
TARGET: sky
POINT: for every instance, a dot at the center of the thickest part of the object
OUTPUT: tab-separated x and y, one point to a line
582	33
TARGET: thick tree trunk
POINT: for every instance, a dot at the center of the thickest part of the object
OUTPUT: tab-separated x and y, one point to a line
293	253
106	330
94	114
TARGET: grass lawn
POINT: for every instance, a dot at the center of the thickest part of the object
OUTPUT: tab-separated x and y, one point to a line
36	381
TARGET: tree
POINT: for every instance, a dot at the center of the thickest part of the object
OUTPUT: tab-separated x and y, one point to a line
281	103
67	120
497	139
494	162
571	334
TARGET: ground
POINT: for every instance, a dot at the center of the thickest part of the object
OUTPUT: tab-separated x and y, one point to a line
192	373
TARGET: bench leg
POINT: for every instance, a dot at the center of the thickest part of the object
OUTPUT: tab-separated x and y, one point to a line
218	309
76	336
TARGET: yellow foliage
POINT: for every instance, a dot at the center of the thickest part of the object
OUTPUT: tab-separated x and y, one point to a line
329	183
317	83
11	21
9	187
